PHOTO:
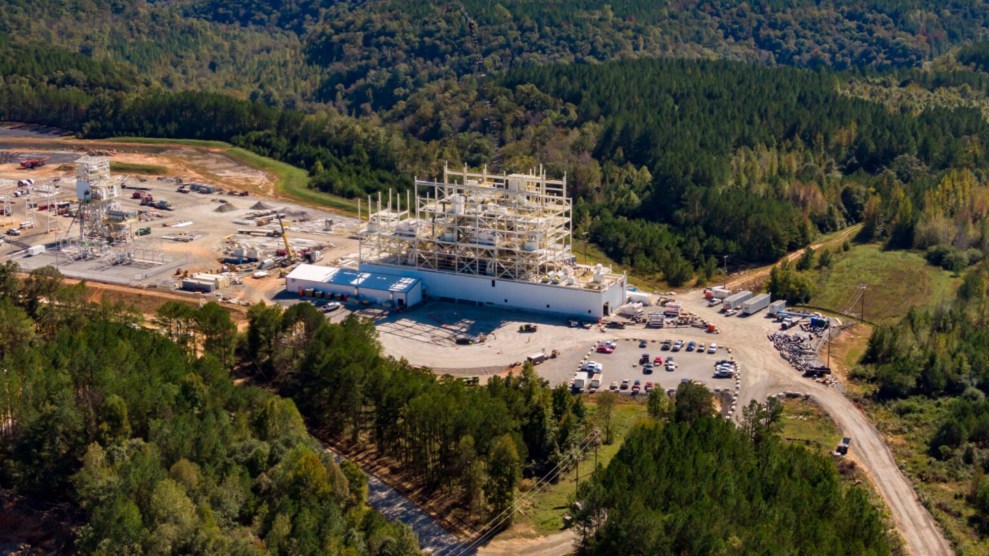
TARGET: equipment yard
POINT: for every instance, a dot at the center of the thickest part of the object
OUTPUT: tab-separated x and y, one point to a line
166	231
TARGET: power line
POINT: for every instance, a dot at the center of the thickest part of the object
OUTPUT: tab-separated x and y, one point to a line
507	514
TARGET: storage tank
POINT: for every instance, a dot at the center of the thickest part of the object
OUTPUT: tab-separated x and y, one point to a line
638	297
735	301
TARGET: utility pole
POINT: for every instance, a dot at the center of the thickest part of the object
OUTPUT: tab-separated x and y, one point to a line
863	287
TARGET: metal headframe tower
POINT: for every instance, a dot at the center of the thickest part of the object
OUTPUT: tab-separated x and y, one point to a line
98	196
509	227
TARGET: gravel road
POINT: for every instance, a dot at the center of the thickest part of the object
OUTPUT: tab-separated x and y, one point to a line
433	538
767	374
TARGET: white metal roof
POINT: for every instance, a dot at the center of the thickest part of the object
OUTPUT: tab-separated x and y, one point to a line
312	273
350	277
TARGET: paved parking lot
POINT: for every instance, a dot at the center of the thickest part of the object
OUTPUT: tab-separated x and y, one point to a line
623	363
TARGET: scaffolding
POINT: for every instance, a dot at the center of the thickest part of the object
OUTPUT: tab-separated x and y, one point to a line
99	201
41	207
506	227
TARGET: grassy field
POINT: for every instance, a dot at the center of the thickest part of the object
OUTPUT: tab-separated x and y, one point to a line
545	515
292	181
134	168
162	141
805	423
896	280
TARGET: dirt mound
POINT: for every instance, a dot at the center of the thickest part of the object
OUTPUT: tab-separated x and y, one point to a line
261	205
225	207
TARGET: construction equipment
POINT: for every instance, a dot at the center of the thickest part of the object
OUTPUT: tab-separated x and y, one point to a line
288	247
32	163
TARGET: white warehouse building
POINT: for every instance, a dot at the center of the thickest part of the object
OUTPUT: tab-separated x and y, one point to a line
373	287
491	239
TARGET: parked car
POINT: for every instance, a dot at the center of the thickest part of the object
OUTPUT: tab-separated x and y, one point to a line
616	324
700	347
658	360
331	306
614	386
712	348
644	359
605	348
678	345
643	343
691	346
670	366
647	368
667	344
730	312
648	387
13	232
624	385
637	387
593	367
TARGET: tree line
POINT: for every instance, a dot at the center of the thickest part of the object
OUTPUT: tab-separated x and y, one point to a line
472	443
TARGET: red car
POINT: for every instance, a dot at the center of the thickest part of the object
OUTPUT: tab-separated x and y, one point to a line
605	348
658	360
648	387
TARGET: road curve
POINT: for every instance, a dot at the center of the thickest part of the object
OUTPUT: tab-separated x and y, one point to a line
433	538
765	373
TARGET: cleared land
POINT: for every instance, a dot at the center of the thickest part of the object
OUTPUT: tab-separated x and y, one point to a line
806	423
896	280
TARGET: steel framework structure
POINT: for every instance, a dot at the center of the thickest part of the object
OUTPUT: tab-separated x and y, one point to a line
507	227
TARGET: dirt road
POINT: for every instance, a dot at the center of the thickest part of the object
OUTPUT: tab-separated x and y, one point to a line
766	373
751	279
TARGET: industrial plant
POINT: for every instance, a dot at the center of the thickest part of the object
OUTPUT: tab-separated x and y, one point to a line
490	239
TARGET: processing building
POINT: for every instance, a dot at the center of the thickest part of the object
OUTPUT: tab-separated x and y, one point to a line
311	280
489	239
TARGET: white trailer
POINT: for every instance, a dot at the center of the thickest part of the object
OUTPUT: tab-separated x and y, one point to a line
756	304
35	250
718	292
777	307
735	301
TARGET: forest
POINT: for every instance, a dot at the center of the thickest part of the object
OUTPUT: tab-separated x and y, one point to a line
148	446
750	156
472	444
691	483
